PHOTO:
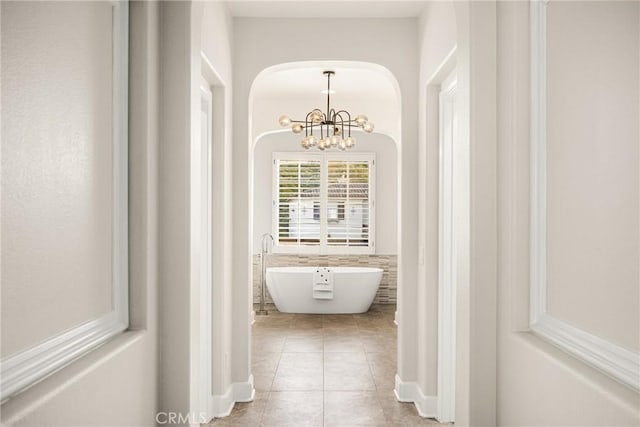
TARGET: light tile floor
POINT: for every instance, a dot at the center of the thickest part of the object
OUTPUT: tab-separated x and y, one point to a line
324	370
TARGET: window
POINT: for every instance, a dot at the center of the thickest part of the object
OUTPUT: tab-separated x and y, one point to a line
298	200
323	203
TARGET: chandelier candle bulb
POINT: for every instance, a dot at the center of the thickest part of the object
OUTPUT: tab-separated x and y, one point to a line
316	116
338	121
285	121
309	141
368	127
361	119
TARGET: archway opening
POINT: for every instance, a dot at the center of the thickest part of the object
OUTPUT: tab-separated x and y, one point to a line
294	89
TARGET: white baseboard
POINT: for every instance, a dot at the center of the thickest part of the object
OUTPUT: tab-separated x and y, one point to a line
411	392
244	392
222	405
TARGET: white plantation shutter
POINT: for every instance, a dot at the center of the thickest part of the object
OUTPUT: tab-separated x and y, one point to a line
323	202
298	189
348	203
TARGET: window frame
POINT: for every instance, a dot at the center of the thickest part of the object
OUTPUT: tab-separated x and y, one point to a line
323	248
27	367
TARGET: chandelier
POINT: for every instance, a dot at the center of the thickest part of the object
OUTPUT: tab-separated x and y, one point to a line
334	126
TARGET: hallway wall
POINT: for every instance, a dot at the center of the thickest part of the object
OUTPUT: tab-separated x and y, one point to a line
216	29
533	375
77	127
470	27
437	38
538	384
188	30
115	384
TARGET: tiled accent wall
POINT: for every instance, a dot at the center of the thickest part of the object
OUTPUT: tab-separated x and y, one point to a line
387	291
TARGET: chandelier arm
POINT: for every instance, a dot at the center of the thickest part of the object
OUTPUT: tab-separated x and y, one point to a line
348	121
347	113
309	123
332	114
337	116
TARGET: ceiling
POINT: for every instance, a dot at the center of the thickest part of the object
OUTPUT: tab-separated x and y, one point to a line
325	9
310	81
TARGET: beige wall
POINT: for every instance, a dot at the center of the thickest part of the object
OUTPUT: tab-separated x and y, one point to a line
537	383
438	36
592	168
57	216
117	383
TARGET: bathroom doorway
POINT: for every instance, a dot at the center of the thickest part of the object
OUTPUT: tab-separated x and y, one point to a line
347	358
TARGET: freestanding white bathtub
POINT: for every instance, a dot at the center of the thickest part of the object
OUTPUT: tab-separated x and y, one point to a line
354	289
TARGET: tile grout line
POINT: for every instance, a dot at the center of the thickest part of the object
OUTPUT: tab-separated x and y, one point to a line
377	391
270	390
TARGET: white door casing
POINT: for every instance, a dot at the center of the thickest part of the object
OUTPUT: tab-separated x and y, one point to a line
206	124
446	250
